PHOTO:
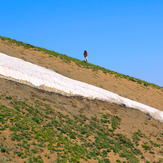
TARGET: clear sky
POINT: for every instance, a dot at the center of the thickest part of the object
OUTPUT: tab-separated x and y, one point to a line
125	36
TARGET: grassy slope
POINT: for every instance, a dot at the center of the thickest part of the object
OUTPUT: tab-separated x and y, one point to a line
32	130
78	62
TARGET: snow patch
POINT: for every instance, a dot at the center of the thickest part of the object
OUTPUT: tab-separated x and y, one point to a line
26	72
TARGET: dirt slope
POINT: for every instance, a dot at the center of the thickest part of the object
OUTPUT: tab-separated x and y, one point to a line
131	122
132	90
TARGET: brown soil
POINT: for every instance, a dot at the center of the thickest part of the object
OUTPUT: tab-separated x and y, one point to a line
131	120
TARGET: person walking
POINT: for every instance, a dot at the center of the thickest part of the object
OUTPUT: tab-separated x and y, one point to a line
86	56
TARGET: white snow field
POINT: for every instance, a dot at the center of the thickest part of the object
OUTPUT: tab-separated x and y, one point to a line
25	72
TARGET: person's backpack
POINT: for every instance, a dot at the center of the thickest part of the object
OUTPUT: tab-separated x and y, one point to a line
85	53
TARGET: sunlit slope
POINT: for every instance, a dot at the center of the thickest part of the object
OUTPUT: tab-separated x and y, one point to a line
125	86
41	126
26	72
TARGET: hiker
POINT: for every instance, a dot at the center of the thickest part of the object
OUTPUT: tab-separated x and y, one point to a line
85	56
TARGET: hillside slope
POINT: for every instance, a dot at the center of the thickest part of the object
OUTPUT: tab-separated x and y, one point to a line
40	126
129	89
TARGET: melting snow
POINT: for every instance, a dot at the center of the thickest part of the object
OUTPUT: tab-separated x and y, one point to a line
26	72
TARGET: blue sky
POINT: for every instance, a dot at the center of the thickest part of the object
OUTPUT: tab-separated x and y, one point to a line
125	36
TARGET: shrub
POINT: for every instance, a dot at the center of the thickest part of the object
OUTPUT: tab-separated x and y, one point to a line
145	146
3	150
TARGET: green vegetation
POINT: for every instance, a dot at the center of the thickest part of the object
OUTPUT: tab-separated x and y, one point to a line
80	63
37	131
